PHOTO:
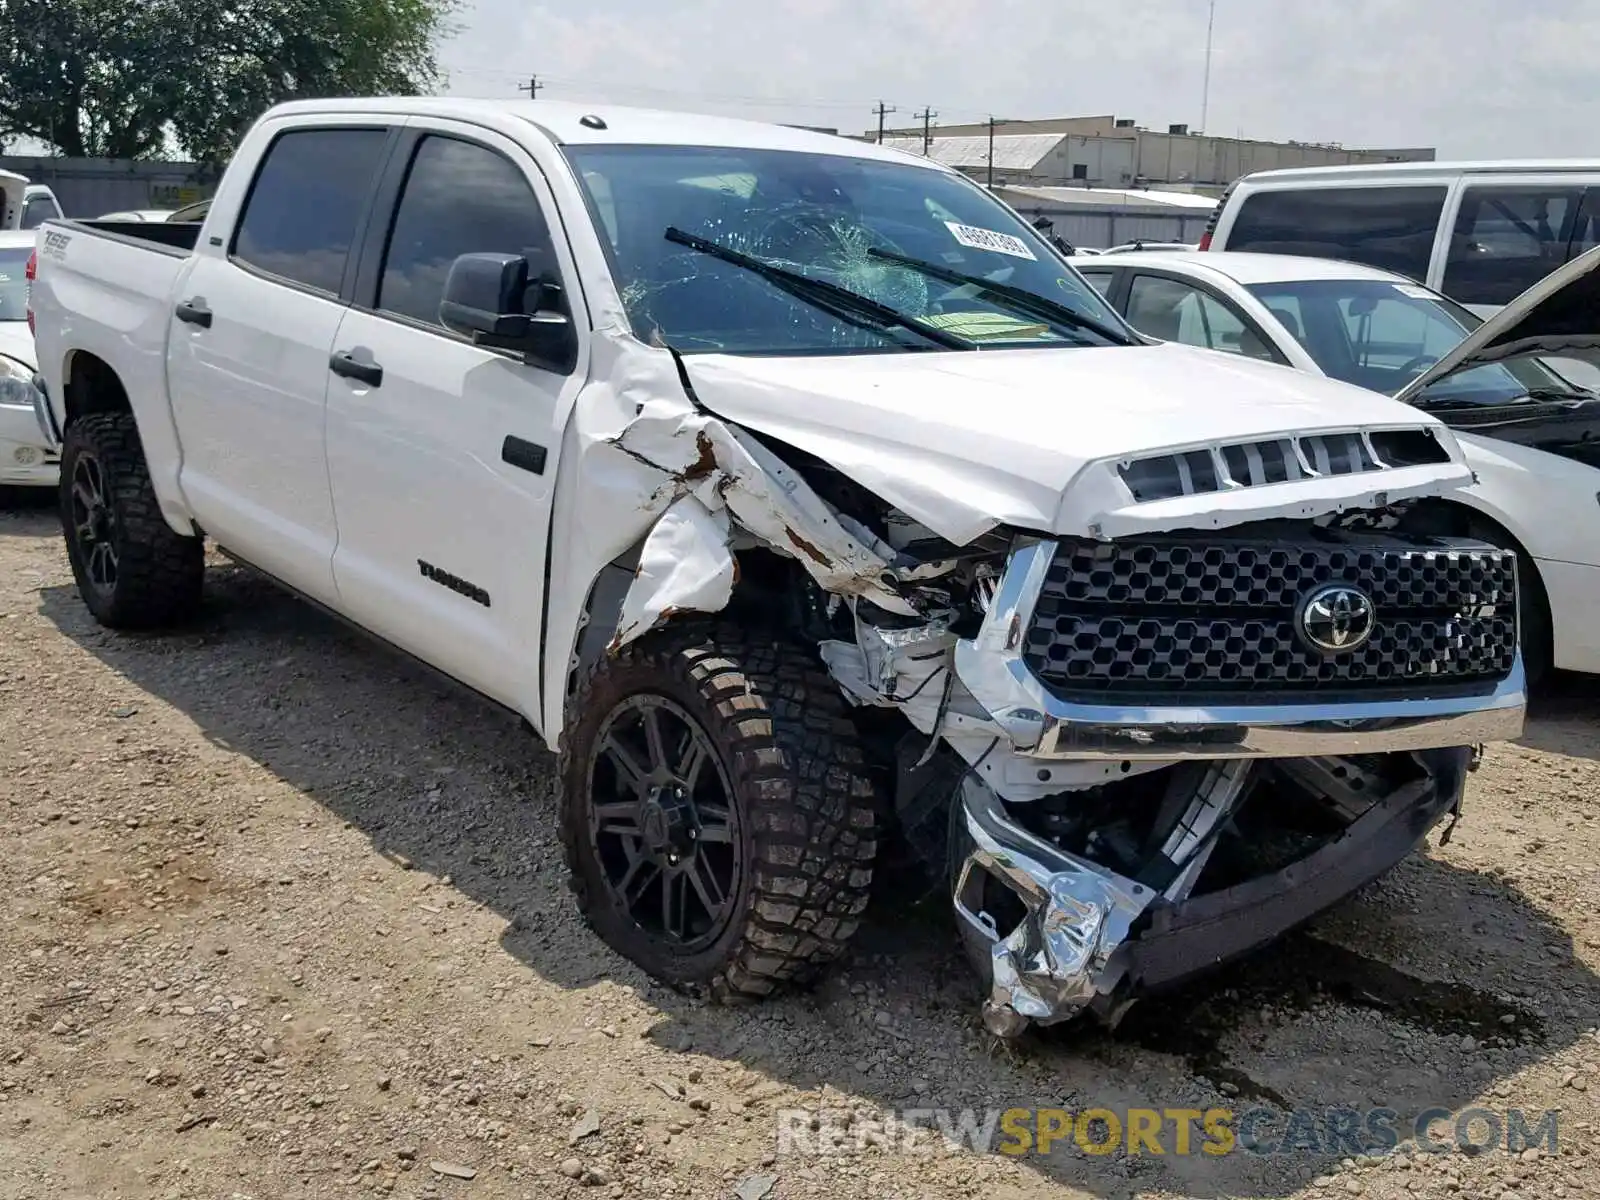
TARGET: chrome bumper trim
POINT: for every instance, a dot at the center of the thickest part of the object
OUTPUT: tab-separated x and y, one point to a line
1045	727
1054	963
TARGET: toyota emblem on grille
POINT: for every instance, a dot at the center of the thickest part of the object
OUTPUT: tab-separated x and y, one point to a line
1337	619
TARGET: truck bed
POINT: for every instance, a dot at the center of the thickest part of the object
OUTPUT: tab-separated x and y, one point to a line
105	290
169	237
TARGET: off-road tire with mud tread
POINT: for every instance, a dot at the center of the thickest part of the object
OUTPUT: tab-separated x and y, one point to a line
160	573
806	812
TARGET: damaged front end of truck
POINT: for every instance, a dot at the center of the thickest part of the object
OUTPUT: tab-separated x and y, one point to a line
1230	690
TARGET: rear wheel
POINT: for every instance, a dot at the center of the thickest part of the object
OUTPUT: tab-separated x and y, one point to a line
716	810
132	570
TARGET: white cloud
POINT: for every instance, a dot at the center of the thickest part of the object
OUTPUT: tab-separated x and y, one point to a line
1466	76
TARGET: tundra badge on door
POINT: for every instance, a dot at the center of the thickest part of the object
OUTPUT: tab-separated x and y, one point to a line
454	582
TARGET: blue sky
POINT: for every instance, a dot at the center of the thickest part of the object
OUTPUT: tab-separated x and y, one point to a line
1463	75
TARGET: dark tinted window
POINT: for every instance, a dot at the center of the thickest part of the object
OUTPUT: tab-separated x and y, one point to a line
300	219
37	211
459	199
1506	239
1392	228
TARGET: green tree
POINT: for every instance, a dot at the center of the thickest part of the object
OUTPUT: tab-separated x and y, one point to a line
135	78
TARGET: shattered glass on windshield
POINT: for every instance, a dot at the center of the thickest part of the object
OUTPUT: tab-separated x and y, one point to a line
818	216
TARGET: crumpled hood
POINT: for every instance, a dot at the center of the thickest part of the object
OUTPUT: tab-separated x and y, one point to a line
966	441
1557	317
17	342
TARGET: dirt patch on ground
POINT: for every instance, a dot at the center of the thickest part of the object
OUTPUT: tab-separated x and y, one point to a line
282	916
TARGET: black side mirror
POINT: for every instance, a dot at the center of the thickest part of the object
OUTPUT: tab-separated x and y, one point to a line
490	299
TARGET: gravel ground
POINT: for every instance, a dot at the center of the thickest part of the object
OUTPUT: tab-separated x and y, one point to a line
284	916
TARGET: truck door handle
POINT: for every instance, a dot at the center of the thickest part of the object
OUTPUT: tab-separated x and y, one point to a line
194	312
344	363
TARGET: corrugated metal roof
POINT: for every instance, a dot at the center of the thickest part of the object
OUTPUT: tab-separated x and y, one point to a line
1115	197
1012	151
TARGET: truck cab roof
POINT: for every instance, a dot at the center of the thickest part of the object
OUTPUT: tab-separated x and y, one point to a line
613	124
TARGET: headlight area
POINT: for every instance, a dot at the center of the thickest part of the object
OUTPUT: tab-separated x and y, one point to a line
26	455
17	389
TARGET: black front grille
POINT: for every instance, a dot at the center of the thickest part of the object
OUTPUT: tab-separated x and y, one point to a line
1189	619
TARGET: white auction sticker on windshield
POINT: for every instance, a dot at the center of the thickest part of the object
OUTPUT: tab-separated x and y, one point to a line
988	239
1412	290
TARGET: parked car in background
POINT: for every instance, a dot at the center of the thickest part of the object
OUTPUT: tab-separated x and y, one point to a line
25	205
1481	233
797	492
1531	435
138	214
26	456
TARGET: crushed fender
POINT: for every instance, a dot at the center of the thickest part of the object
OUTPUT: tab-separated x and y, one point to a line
715	471
684	564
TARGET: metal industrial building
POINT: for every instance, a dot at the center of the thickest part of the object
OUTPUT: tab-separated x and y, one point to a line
1115	152
1100	217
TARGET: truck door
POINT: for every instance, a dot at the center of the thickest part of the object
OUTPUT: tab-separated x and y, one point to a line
247	363
442	454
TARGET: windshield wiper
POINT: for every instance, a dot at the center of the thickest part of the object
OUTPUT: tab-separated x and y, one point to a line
830	297
1573	396
1019	298
1538	397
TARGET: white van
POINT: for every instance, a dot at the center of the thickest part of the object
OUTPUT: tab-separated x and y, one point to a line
1480	232
25	205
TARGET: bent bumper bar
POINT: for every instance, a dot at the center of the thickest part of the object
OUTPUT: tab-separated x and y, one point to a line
1090	939
1042	725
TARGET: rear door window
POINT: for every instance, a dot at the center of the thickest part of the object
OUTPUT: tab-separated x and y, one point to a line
1506	239
1392	228
306	203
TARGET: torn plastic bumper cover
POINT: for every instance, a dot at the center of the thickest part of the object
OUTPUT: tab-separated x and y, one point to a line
1089	938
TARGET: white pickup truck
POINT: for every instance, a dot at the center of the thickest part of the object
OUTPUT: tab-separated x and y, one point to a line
803	498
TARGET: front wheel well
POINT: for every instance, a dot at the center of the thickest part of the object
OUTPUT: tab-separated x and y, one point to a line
92	386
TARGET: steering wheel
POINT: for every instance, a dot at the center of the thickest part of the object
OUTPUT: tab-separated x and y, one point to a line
1414	366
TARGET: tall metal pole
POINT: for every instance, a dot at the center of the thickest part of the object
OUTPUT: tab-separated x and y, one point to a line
882	110
991	152
1205	90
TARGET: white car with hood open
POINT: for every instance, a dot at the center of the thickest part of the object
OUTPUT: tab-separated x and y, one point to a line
801	497
1530	435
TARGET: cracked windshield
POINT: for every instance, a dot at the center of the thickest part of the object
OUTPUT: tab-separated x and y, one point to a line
777	252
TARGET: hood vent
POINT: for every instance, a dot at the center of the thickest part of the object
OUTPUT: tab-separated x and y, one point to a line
1224	467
